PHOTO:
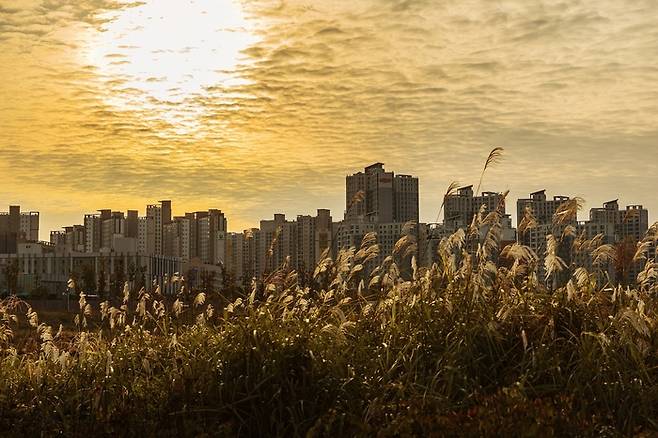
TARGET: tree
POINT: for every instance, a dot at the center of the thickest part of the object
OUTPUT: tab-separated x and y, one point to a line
88	278
118	278
207	281
102	278
11	276
623	261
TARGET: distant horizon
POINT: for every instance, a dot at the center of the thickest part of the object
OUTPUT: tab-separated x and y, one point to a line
44	232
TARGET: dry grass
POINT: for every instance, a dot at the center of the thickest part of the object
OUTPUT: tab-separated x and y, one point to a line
468	346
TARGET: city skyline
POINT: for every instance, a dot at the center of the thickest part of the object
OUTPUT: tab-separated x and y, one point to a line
583	214
380	206
235	103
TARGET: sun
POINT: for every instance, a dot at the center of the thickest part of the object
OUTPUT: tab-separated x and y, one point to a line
158	55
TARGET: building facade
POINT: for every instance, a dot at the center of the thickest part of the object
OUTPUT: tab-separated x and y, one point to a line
386	197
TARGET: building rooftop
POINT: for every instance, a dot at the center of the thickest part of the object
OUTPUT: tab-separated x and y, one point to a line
375	166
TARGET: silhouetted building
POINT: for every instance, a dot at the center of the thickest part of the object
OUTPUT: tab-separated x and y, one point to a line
386	197
16	227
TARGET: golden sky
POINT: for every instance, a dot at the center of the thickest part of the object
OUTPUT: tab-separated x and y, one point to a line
262	106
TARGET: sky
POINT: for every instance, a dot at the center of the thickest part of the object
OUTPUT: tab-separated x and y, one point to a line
264	106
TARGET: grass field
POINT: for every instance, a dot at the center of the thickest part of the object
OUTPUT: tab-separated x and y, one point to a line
464	348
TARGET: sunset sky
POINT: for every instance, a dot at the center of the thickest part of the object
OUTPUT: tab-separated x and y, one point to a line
259	106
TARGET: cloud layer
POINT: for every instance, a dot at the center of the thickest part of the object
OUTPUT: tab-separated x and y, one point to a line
264	106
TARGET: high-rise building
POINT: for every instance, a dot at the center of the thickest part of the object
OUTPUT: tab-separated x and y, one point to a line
207	233
29	227
251	259
234	263
155	213
314	236
177	238
386	197
462	206
350	234
17	227
70	240
622	228
92	224
543	209
165	206
278	240
132	219
631	223
146	235
112	226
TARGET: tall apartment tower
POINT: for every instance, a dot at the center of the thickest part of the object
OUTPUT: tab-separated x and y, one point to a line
93	224
277	241
211	233
15	218
146	235
251	256
177	238
72	239
112	226
132	219
24	226
165	206
157	214
17	227
29	226
631	223
207	234
543	209
625	228
313	236
235	261
387	197
462	206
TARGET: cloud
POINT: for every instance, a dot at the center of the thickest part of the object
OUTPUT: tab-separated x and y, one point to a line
568	88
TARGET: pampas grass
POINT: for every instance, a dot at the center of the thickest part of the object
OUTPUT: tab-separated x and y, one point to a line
494	157
473	344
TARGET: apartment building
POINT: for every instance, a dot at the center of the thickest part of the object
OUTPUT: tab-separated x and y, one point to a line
113	224
386	197
71	239
314	237
630	223
160	215
543	209
177	238
16	227
462	206
622	228
44	270
207	234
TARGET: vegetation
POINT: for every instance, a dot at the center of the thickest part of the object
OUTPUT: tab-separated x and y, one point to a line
462	348
475	345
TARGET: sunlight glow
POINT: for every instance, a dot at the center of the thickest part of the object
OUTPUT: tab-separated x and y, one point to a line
158	55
